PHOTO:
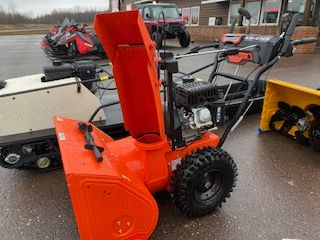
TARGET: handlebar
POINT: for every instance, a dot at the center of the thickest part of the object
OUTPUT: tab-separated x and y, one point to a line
244	104
198	48
292	25
287	37
303	41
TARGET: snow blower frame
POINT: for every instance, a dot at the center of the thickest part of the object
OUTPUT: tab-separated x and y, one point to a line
170	147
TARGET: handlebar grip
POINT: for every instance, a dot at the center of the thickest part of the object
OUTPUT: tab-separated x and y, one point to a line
292	25
194	50
244	12
97	153
231	51
303	41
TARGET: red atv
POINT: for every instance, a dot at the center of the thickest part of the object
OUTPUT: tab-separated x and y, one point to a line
174	26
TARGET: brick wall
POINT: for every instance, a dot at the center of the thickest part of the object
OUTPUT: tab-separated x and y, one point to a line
261	30
207	34
304	32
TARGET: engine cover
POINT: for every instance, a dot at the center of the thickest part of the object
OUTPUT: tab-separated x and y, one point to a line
195	94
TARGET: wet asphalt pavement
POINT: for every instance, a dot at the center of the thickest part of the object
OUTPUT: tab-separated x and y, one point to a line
277	194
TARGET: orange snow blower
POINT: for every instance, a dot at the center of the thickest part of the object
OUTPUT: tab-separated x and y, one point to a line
171	146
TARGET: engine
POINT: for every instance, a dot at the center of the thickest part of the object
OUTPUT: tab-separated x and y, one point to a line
199	108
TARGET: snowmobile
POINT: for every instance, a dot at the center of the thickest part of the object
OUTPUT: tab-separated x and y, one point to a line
72	41
54	34
28	104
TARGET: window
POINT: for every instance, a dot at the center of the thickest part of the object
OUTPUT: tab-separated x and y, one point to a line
233	12
129	7
254	9
169	12
297	6
270	12
195	11
146	13
114	6
186	15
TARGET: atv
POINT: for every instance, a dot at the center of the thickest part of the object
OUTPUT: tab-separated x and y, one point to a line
172	27
72	41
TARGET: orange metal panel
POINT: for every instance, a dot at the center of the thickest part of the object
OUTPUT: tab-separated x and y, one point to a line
109	200
127	42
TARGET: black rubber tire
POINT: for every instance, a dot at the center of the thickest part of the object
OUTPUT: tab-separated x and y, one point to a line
185	181
157	38
184	39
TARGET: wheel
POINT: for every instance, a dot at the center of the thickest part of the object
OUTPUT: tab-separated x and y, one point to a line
157	38
72	50
184	39
203	181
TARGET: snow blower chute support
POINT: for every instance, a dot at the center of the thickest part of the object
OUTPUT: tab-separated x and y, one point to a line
111	181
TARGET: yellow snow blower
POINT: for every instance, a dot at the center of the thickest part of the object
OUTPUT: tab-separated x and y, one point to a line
293	111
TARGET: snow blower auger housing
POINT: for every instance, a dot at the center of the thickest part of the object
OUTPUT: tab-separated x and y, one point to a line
293	111
111	181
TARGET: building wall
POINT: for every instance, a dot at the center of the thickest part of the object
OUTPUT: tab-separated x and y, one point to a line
305	32
214	10
203	32
206	10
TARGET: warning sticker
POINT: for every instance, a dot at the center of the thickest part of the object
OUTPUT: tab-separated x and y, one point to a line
62	136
